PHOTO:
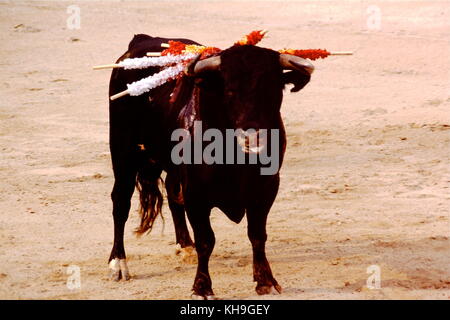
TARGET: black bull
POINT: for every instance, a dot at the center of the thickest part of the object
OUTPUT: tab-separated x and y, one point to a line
244	92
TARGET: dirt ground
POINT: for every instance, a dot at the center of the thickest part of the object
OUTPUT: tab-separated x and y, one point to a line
366	176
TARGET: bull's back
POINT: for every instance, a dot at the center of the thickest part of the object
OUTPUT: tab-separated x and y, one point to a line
137	48
135	120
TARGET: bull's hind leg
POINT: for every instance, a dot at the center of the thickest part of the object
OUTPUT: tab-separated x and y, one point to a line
176	205
256	229
185	246
121	196
204	244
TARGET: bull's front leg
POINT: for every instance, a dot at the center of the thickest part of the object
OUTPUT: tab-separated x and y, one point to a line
262	273
204	245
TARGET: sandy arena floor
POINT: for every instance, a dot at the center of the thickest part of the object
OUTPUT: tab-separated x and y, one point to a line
366	176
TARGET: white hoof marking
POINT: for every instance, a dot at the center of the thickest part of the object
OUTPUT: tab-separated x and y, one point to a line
119	269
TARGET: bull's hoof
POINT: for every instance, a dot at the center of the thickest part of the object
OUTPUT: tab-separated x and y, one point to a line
268	289
115	275
195	296
119	269
202	291
188	254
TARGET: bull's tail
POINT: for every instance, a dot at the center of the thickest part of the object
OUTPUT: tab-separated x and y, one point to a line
148	183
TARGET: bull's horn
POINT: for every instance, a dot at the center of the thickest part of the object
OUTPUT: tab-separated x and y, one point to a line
291	62
209	64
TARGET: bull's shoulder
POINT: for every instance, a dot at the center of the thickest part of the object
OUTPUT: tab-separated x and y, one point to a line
143	43
138	39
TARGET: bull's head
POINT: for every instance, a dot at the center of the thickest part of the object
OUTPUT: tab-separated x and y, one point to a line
249	81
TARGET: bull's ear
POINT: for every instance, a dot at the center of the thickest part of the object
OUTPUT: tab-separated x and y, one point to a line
297	78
